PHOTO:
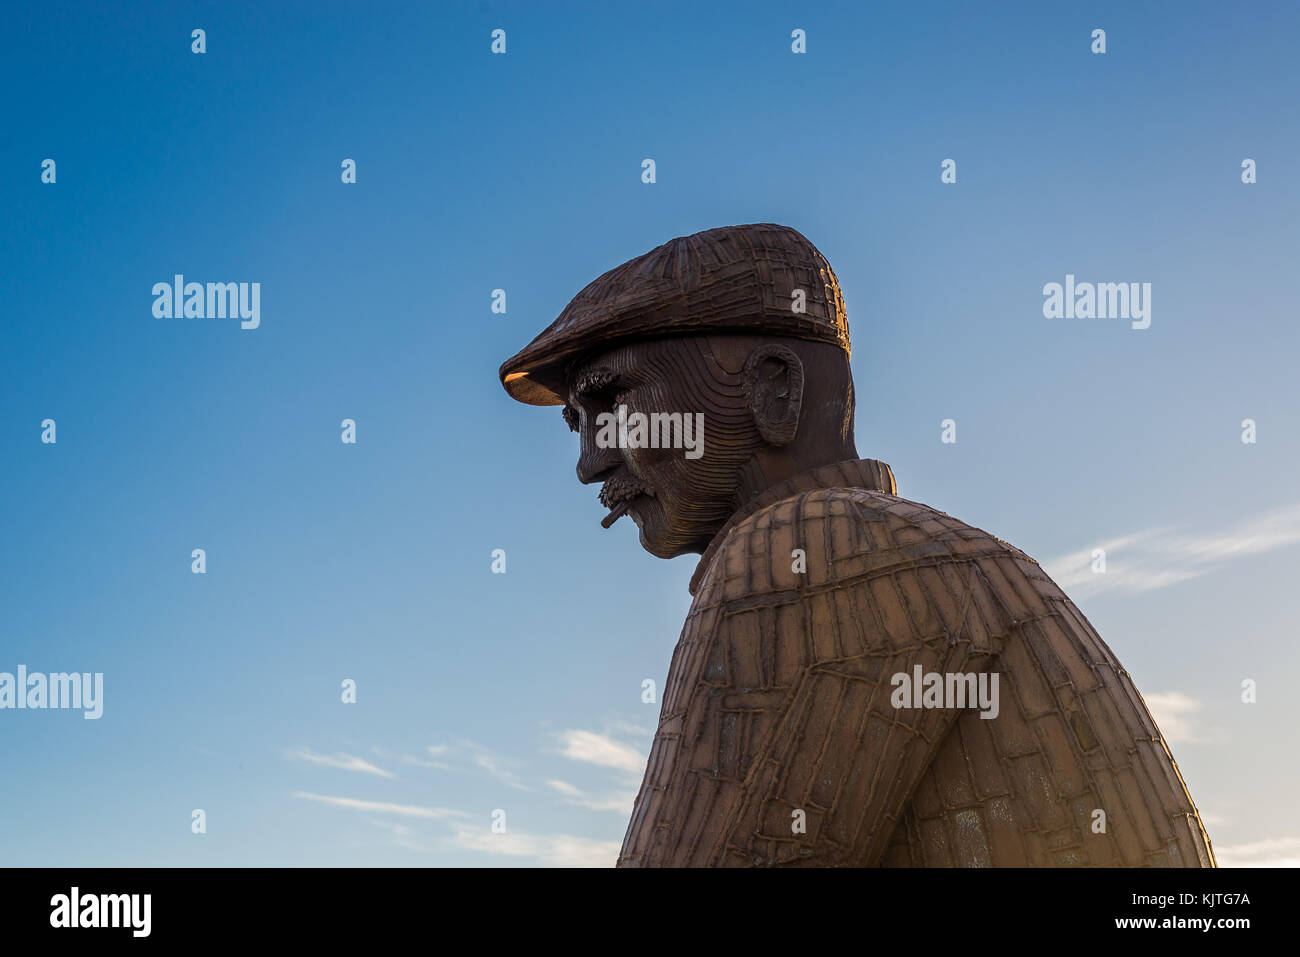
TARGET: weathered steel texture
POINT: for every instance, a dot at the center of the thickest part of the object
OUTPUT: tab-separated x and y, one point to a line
779	740
778	698
731	279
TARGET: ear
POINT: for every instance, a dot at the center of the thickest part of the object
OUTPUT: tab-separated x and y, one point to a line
773	381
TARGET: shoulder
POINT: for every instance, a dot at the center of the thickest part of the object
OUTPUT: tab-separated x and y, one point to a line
835	536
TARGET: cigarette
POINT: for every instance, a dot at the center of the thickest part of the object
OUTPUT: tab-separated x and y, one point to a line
616	513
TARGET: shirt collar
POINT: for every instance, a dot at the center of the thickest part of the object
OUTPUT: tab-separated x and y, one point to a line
851	473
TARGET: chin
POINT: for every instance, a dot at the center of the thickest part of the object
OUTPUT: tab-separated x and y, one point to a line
655	540
668	543
656	546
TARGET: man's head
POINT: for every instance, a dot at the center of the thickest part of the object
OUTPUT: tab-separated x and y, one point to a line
698	375
720	419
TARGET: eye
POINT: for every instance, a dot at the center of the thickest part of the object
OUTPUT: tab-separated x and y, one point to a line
571	417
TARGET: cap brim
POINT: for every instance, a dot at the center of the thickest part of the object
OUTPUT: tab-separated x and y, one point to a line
525	387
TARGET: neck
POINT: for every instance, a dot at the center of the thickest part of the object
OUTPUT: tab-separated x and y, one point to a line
853	473
771	466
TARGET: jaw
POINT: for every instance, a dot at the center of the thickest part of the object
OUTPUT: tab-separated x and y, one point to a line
660	537
649	528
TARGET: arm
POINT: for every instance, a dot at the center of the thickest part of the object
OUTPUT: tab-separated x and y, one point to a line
779	693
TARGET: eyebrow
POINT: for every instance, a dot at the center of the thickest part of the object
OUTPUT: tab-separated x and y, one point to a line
596	380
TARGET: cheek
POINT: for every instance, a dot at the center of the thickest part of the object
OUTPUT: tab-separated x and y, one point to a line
659	461
665	471
662	462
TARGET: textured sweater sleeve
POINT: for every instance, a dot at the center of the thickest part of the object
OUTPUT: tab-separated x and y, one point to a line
778	741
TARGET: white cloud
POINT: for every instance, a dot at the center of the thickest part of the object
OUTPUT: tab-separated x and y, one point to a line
381	807
493	765
403	835
567	851
626	727
1175	715
393	827
485	759
1272	852
1160	557
412	760
564	787
553	850
344	762
620	802
602	750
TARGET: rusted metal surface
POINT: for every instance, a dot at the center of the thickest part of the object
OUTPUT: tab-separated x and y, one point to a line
779	699
781	741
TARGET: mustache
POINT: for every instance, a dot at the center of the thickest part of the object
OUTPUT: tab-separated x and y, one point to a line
620	489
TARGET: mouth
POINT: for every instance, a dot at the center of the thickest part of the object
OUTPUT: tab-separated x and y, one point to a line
617	495
617	512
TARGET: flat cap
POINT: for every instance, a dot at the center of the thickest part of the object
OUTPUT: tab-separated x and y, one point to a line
740	279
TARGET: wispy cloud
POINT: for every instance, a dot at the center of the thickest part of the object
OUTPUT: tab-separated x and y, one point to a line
1176	717
601	749
401	835
495	765
412	760
465	755
626	727
1160	557
620	802
1272	852
393	827
344	762
610	751
381	807
555	850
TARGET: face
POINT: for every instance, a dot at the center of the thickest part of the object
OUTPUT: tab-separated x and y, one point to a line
678	496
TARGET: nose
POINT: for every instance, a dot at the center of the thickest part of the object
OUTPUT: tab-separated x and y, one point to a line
594	463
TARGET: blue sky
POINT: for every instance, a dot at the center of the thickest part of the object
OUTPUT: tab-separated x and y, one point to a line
522	691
